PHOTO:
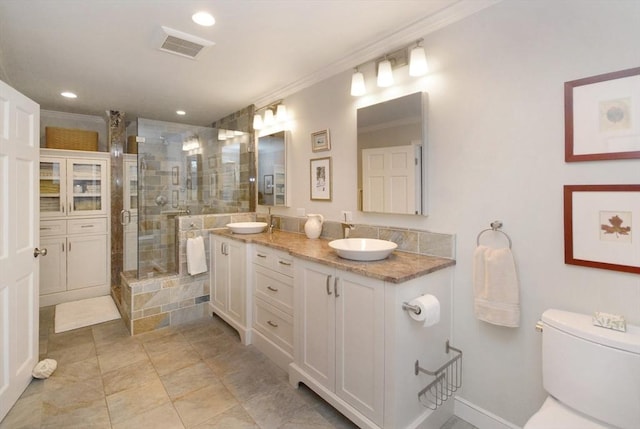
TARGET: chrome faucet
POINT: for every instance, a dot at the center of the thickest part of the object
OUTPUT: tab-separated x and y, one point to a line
346	227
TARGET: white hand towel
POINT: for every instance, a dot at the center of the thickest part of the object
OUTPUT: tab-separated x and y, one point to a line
495	287
196	256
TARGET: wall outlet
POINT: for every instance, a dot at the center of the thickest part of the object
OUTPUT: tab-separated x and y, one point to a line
300	212
346	216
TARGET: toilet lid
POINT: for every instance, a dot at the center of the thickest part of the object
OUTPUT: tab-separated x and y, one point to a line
554	415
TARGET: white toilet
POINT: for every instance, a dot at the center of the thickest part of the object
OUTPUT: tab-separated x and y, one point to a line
591	373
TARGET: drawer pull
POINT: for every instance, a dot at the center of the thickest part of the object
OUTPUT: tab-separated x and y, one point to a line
270	323
42	228
288	264
328	285
86	226
272	289
260	255
335	286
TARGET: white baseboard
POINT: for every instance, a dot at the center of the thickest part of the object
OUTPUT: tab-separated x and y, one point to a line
480	418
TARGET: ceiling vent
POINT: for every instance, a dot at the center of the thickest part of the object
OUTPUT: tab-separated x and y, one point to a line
183	44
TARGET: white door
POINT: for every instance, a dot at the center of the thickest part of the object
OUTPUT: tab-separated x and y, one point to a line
389	179
19	235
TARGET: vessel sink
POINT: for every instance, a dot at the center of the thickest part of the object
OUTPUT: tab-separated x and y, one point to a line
247	227
363	249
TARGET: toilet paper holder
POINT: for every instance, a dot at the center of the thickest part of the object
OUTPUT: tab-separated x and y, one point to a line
409	307
448	379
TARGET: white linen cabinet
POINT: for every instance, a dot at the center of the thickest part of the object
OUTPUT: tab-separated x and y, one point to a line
74	225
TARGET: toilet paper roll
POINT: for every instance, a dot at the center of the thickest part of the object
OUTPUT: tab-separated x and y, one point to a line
429	310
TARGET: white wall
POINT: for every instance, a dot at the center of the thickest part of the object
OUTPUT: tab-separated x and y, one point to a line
496	151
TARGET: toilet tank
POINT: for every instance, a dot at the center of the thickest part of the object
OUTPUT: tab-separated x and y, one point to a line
593	370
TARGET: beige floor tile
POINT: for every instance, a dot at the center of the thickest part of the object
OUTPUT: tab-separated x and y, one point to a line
109	332
128	377
204	404
78	413
168	362
188	379
307	418
121	353
273	408
25	414
69	355
65	340
162	417
234	418
129	403
72	372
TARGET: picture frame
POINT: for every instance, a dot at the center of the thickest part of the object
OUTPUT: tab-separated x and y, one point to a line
268	184
175	175
320	141
320	179
602	117
601	226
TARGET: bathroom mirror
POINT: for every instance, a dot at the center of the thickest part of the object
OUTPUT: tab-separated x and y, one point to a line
272	169
392	156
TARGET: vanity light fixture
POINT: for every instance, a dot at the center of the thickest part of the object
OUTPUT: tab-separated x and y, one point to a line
203	18
257	121
357	83
412	55
180	112
418	61
385	74
68	94
222	134
269	119
281	113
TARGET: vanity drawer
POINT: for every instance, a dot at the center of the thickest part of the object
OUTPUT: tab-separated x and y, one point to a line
274	324
274	259
53	227
274	288
88	226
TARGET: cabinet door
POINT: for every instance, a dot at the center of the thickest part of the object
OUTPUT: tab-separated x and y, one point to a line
316	322
53	187
53	266
236	262
131	186
87	187
86	261
219	279
360	343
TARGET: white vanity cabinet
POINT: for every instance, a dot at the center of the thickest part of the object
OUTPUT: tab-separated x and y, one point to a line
272	277
228	287
340	336
74	225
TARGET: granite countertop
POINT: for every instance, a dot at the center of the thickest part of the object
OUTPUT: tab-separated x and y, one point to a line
397	268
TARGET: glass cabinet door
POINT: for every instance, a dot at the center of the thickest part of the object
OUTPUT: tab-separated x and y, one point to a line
52	187
87	186
131	186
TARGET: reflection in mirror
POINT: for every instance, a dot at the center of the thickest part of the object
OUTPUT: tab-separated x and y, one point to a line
272	170
391	156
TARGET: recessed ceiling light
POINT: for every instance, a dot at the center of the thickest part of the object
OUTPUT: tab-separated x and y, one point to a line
68	94
181	112
203	18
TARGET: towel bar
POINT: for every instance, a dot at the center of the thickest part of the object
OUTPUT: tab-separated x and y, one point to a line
495	227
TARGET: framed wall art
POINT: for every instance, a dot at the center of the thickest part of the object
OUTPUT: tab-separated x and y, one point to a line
601	226
320	141
268	184
320	171
602	117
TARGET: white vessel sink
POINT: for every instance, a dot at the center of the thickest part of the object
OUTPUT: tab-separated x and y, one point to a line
363	249
247	227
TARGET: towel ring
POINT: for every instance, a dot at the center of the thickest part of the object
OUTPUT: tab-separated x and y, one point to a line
495	227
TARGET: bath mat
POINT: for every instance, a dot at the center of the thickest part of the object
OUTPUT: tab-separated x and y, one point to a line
86	312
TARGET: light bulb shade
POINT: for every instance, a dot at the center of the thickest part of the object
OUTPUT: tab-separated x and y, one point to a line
357	84
222	134
281	113
257	122
385	74
418	62
269	120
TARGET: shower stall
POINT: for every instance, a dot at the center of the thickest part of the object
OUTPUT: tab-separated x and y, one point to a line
182	170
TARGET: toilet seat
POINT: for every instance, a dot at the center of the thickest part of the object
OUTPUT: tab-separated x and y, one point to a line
554	415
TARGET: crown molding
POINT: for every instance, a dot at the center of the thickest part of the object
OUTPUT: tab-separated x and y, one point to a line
391	41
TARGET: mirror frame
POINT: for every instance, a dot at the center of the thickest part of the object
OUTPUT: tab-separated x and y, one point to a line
287	185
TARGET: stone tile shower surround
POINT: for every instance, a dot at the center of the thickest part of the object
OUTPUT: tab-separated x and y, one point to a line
155	302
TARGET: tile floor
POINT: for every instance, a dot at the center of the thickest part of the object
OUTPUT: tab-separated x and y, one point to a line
193	376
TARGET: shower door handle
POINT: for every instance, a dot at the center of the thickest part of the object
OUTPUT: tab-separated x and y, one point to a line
125	221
